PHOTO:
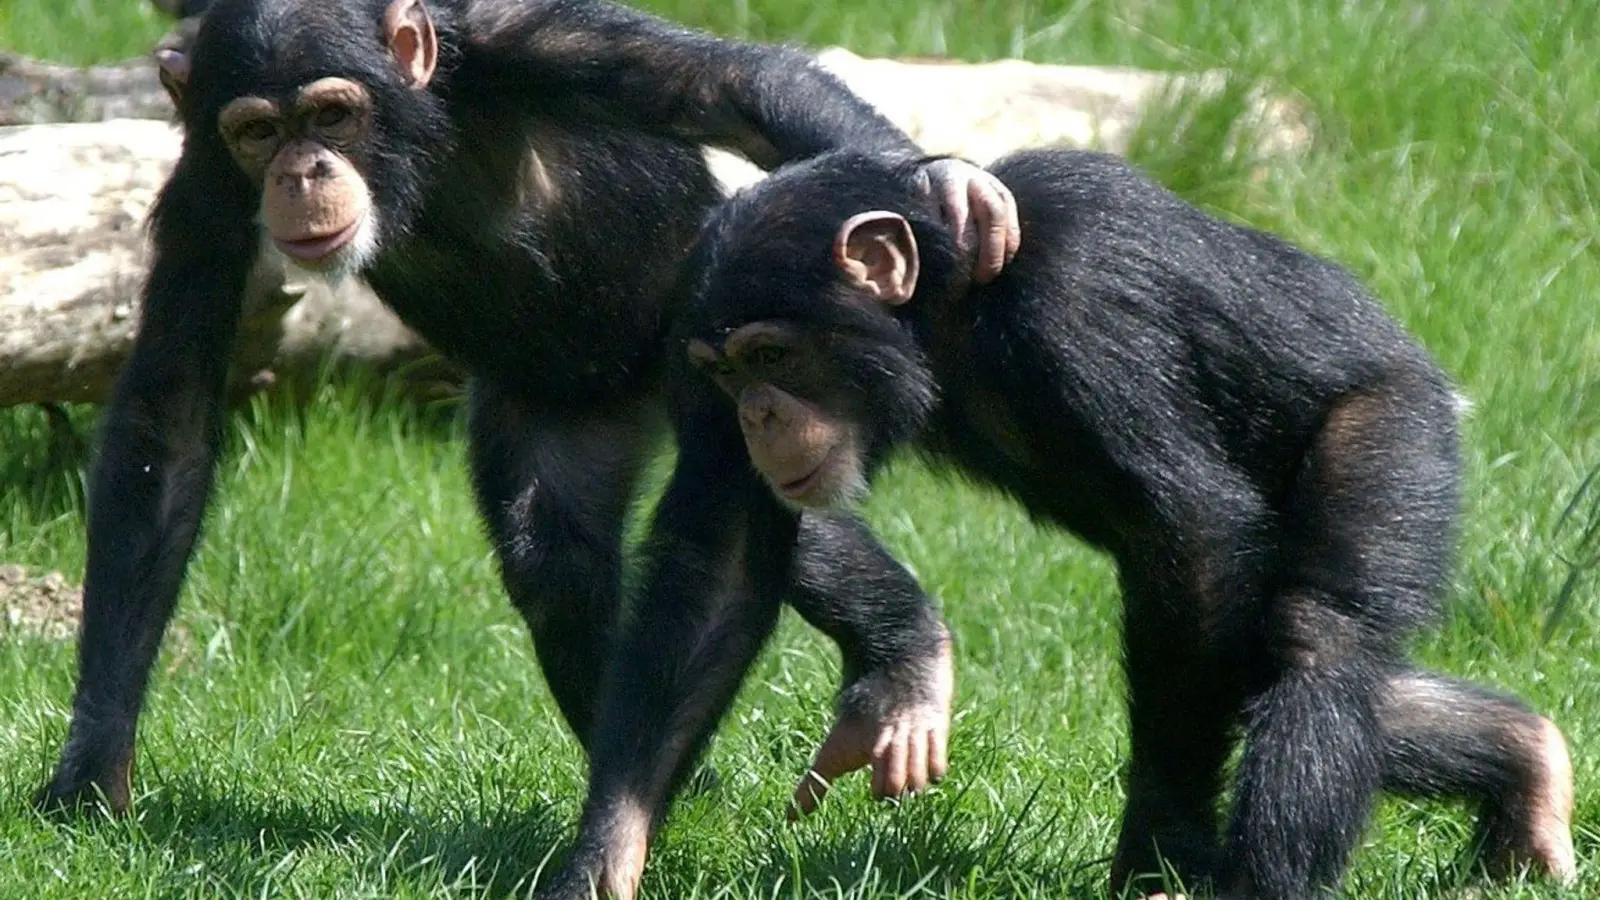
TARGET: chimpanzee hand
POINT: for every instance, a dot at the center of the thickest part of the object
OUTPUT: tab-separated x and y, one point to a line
976	204
898	722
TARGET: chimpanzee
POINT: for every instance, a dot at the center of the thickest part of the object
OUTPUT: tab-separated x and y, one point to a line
1268	457
519	181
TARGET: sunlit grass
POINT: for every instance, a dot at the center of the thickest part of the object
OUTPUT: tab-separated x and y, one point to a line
348	705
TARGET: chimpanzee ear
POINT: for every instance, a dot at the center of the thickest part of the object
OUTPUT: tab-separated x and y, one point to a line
878	253
173	70
412	42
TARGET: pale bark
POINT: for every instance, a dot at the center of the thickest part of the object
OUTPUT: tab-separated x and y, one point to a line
74	199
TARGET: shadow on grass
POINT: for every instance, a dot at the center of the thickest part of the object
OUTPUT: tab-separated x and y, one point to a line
934	850
239	845
902	865
235	844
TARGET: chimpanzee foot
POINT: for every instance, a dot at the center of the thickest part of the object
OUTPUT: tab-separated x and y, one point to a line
1536	832
896	721
76	787
610	867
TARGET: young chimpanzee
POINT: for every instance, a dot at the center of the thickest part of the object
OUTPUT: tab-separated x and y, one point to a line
518	180
1269	458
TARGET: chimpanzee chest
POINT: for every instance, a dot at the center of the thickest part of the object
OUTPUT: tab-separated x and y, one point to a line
1053	465
506	318
560	293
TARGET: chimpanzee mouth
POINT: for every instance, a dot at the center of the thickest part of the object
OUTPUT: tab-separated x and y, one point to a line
318	248
800	487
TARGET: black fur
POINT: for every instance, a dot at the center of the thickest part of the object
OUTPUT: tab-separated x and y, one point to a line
1269	458
549	282
183	9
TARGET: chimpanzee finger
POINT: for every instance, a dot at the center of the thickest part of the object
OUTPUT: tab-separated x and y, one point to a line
949	179
994	213
807	795
917	750
841	753
938	753
893	782
1013	223
958	212
880	761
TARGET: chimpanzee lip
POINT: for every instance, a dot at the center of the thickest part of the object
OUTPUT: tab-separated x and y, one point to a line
315	248
799	486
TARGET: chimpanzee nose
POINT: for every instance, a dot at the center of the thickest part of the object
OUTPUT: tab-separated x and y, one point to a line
756	409
756	414
300	173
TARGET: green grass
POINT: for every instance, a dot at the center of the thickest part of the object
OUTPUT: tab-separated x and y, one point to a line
81	31
347	705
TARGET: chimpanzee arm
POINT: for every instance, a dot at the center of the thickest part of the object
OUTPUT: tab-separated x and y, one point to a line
720	552
606	62
158	445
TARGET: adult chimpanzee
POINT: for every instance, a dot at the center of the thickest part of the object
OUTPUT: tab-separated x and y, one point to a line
1269	458
519	181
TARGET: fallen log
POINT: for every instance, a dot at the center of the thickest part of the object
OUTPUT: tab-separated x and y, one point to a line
74	198
73	250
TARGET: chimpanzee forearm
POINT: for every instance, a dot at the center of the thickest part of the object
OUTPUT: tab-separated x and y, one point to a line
159	443
604	62
846	585
145	499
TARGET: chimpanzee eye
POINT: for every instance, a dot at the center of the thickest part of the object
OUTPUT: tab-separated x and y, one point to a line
769	355
332	115
259	131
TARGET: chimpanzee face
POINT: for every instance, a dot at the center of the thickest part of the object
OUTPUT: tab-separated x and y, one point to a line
804	418
309	142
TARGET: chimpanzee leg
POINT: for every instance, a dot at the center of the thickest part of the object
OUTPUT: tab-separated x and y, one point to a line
554	487
1311	770
158	448
1180	739
1447	738
894	705
1367	528
719	556
1181	714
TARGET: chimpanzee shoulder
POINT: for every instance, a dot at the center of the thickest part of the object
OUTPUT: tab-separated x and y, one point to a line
1110	244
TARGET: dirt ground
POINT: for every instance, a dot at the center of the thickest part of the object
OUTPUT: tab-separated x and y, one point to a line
38	604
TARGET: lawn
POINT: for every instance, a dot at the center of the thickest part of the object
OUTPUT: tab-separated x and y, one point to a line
347	705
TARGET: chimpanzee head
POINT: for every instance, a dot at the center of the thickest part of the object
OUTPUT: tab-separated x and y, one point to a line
323	107
798	288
